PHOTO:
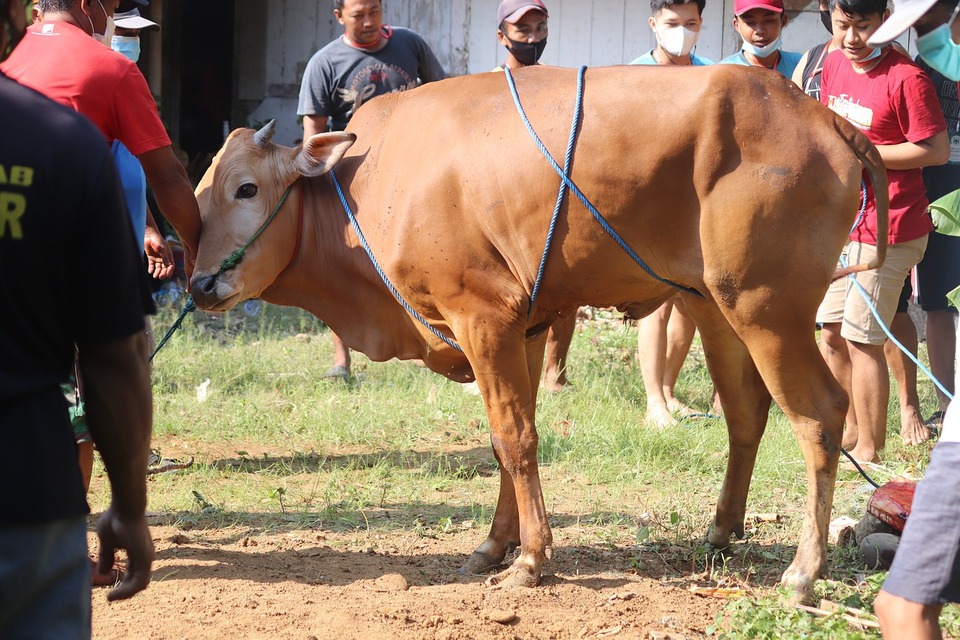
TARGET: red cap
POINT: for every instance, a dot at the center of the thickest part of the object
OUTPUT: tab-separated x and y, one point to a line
512	10
740	7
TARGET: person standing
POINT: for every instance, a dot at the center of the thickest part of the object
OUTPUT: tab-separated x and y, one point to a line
884	94
62	207
368	60
63	57
522	29
760	24
664	337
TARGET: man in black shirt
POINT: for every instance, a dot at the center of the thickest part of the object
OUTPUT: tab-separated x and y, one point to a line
62	216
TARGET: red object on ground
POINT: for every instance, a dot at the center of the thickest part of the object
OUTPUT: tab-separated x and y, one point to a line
891	502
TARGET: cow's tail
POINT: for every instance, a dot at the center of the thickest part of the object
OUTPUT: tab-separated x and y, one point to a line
877	172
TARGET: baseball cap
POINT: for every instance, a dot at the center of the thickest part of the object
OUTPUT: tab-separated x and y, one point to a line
905	13
740	7
133	20
512	10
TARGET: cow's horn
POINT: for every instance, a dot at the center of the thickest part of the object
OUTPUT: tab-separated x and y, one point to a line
263	136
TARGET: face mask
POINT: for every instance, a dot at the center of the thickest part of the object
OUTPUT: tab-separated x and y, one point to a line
527	53
128	46
93	30
827	19
763	52
873	55
939	50
677	41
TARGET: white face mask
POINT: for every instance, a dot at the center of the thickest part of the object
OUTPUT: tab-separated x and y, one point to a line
101	37
677	41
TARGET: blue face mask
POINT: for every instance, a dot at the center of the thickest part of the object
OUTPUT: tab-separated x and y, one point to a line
128	46
763	52
873	55
939	50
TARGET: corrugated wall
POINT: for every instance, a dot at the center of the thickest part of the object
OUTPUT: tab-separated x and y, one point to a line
277	38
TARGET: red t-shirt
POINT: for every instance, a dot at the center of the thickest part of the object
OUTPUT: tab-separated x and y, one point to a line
67	65
892	103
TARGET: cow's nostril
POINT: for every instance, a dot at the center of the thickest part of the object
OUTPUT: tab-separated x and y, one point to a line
205	285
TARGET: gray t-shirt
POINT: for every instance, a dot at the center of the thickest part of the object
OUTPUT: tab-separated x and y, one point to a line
339	78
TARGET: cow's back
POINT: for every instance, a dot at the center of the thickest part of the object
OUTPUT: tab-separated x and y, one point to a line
692	166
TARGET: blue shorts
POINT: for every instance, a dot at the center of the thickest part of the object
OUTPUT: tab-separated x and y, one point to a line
45	581
926	567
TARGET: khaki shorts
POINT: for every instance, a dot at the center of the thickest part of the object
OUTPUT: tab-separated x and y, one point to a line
845	303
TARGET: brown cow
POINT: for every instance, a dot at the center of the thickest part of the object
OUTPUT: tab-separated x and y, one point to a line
723	179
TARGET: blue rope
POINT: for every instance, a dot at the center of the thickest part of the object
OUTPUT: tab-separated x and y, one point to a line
576	190
562	192
383	276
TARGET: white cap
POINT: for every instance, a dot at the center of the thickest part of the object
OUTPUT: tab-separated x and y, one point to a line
905	13
133	20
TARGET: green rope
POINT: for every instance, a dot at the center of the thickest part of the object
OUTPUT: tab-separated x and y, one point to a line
229	263
234	258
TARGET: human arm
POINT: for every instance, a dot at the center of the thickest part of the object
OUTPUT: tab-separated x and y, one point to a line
120	414
312	125
159	255
430	68
798	70
174	195
932	151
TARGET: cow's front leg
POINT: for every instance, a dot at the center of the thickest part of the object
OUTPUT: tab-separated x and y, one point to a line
508	378
504	532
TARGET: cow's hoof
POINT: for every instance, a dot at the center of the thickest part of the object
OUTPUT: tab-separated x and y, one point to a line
515	576
477	563
799	587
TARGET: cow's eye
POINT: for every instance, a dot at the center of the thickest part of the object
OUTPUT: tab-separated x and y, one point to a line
246	191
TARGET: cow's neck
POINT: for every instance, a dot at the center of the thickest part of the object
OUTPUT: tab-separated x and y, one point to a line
332	277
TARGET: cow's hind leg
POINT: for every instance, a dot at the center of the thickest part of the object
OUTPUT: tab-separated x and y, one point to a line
785	352
509	384
746	404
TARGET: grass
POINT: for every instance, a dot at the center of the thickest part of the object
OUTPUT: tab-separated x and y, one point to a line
403	448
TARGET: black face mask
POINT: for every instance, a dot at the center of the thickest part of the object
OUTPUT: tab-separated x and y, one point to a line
527	53
827	20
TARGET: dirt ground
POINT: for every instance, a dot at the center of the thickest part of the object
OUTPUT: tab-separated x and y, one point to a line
224	584
287	582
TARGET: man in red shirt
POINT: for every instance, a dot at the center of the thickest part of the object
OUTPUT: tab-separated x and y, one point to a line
892	101
59	58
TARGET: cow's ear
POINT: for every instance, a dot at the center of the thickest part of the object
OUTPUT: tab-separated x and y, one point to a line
321	152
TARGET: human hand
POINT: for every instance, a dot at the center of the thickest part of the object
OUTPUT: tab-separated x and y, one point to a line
159	255
118	532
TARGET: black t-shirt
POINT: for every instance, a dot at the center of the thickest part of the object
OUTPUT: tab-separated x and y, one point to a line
69	273
942	179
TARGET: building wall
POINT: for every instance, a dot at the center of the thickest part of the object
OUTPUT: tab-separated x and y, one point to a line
276	39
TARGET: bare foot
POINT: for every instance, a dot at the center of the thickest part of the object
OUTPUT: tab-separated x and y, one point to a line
912	428
552	384
864	456
659	416
678	408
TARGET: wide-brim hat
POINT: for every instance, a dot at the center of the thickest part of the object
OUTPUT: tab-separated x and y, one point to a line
133	20
905	14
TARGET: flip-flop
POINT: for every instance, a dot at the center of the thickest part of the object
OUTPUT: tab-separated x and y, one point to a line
338	373
934	423
158	464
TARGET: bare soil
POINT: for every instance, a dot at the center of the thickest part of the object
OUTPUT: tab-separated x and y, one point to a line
224	584
287	581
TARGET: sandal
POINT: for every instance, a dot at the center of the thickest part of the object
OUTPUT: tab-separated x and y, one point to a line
158	464
338	373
